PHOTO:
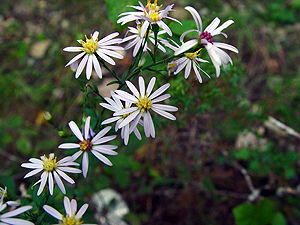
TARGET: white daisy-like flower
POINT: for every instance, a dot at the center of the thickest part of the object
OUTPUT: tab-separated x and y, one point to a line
116	105
103	48
151	14
189	60
144	102
7	218
51	169
139	39
218	56
72	215
95	145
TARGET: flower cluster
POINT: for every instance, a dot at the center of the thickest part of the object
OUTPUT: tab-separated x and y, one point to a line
133	111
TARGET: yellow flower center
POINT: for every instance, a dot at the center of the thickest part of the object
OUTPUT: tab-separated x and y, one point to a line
193	55
49	164
90	45
153	9
85	145
143	103
152	6
154	16
71	220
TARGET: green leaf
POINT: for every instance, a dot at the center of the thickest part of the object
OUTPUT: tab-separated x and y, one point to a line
278	219
122	177
242	154
115	7
243	214
24	145
250	214
113	82
9	183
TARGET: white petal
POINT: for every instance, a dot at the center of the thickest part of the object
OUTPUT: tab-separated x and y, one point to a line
81	211
16	212
112	53
75	58
95	35
73	206
70	169
159	91
75	130
161	98
222	27
188	69
72	49
101	158
50	183
213	25
165	107
105	57
196	17
81	66
15	221
125	111
87	127
142	86
43	181
226	46
164	114
67	206
186	46
150	86
100	134
65	176
53	212
125	96
97	66
31	166
85	164
69	145
89	67
105	139
110	120
104	150
36	161
59	183
133	89
108	37
129	118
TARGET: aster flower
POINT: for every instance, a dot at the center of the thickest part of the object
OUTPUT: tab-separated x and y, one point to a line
189	60
218	56
94	145
72	215
103	48
6	218
116	105
51	169
144	102
139	39
150	14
